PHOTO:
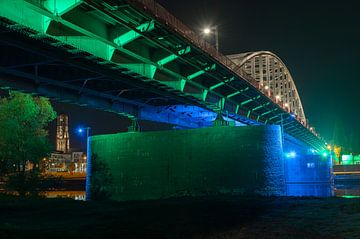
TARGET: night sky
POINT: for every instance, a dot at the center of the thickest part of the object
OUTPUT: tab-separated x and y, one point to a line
317	40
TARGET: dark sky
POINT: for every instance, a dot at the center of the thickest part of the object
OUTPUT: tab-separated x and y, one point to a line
319	41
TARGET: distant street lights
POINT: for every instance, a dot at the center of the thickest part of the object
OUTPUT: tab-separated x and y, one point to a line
88	159
213	30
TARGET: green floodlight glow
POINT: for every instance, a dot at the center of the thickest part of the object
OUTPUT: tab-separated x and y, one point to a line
350	196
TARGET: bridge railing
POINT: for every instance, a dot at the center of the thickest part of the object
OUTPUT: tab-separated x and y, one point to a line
163	16
175	24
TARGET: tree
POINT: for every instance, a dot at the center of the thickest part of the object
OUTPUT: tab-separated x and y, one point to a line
101	180
23	140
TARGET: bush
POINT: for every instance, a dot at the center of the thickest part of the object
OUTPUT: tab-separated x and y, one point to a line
101	180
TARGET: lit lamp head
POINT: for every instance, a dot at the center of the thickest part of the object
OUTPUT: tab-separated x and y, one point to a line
266	87
80	130
207	31
291	154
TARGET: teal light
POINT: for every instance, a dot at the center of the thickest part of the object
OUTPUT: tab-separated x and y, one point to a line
324	154
350	196
291	154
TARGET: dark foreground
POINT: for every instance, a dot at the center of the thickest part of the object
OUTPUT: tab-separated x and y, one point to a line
220	217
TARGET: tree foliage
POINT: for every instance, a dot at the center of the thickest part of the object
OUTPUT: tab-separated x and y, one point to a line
23	139
101	180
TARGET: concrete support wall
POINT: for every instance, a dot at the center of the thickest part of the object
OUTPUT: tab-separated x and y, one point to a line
307	174
237	160
308	169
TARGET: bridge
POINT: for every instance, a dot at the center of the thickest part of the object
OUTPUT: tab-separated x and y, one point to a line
134	58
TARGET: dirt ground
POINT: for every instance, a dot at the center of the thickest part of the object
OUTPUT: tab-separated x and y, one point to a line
210	217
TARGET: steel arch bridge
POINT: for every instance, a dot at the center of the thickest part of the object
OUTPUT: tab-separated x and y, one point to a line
134	58
273	78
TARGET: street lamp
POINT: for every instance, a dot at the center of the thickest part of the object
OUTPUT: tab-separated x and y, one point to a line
292	115
292	154
81	130
213	30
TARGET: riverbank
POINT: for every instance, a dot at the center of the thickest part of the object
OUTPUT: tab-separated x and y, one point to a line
215	217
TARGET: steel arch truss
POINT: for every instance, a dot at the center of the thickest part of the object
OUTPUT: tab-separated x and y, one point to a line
273	78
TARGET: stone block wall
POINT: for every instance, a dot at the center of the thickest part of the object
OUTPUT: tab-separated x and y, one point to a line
152	165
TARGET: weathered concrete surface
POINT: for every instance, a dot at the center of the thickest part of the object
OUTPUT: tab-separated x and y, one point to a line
236	160
308	169
308	175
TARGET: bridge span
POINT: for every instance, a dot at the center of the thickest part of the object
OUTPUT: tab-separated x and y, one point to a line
134	58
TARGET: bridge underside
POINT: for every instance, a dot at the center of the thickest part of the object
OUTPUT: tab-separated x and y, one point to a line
37	67
130	57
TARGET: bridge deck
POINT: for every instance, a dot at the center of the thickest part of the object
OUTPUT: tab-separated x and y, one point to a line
130	57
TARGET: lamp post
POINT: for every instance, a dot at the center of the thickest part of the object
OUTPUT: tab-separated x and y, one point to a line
88	160
292	154
282	126
213	30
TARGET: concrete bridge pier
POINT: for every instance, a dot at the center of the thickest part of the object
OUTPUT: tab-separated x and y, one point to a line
206	161
307	171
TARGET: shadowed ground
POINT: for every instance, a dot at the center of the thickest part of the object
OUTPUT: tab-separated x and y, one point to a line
216	217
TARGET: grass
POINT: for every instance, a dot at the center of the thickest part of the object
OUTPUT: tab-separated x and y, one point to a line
211	217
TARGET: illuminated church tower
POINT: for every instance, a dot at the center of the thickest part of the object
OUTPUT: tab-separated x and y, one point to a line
62	134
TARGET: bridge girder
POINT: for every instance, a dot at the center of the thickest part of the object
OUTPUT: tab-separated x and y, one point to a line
139	45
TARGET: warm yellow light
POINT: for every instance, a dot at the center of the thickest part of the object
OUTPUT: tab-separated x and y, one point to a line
266	87
286	105
277	97
207	30
328	147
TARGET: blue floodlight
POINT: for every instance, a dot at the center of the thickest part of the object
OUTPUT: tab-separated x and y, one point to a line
80	130
292	154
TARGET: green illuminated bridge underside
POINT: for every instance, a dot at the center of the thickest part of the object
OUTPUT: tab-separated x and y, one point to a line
131	52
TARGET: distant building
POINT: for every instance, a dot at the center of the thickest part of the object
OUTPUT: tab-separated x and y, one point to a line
64	159
70	162
58	162
62	134
79	160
